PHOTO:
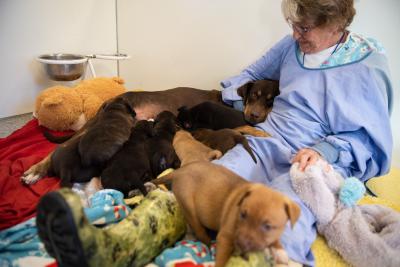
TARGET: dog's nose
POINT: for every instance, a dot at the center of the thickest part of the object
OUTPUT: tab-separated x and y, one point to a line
244	244
255	115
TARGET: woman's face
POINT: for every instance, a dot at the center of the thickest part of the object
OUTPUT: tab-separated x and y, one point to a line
315	39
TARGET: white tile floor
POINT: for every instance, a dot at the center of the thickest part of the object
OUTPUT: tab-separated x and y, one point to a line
10	124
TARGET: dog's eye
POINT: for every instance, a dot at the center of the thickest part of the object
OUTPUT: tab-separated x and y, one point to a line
266	227
243	215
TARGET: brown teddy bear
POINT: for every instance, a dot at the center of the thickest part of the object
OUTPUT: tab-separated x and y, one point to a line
63	108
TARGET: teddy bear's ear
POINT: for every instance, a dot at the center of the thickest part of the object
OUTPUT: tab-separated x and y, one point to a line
118	80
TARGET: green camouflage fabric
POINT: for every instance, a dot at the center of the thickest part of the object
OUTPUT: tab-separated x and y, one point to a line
155	224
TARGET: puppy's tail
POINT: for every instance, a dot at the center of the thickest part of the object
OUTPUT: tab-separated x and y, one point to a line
240	139
56	139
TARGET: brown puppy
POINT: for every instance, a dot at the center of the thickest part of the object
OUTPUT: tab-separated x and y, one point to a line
222	140
258	97
248	217
190	150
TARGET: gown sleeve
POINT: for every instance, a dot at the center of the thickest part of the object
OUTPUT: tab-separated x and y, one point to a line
359	118
267	67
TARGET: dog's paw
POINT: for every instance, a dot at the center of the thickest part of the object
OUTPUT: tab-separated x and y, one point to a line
150	186
30	178
280	256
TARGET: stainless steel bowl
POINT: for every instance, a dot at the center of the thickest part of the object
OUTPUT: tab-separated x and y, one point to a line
63	67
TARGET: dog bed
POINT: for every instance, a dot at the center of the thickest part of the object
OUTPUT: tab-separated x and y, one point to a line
27	146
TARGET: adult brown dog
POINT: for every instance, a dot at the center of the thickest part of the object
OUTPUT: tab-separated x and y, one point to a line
223	140
248	217
145	105
258	97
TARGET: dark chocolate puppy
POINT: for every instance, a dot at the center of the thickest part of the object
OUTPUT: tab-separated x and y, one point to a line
107	132
160	147
130	167
210	115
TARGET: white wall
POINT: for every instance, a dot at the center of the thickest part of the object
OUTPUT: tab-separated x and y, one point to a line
199	43
194	43
171	43
31	28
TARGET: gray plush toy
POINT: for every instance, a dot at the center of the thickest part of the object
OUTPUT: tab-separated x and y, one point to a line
364	235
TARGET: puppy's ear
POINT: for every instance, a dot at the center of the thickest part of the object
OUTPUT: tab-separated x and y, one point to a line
129	108
243	91
214	154
293	211
243	197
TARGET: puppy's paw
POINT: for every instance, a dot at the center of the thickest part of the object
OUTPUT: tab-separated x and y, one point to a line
30	178
280	256
150	186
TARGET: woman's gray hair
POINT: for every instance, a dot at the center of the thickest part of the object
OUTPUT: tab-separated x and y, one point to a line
319	12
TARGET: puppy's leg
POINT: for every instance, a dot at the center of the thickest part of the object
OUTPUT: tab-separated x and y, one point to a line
247	129
279	254
198	229
37	171
224	248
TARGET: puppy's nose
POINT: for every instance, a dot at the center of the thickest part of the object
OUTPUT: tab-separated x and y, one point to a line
244	244
255	115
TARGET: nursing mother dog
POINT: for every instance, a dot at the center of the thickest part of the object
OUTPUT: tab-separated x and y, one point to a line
334	104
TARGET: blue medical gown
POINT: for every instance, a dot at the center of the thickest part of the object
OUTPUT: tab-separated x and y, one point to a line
342	111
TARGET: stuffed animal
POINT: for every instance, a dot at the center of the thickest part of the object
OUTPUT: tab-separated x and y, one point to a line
63	108
364	235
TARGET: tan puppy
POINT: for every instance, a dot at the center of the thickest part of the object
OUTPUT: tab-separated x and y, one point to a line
223	139
190	150
247	216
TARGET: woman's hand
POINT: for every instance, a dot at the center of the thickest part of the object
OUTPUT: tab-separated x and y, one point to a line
306	157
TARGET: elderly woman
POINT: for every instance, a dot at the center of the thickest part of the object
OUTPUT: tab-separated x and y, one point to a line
334	103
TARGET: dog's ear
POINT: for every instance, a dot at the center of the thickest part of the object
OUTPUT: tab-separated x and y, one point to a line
292	210
242	198
184	117
177	162
243	91
214	154
275	87
129	108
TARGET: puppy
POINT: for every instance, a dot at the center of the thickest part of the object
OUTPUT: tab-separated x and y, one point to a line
160	146
130	167
97	148
107	133
190	150
258	97
210	115
78	160
222	140
248	217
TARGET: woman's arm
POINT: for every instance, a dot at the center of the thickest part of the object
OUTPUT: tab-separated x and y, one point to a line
267	67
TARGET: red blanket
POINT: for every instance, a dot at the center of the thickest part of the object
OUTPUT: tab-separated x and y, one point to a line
18	152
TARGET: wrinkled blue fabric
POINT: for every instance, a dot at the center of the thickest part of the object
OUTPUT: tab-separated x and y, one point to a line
345	106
